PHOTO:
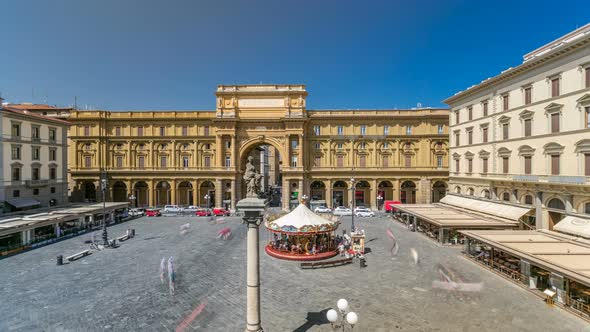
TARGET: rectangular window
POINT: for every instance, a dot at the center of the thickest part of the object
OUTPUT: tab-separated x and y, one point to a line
555	87
228	144
162	131
363	161
52	154
528	127
555	123
485	108
470	137
316	161
339	146
385	161
35	173
227	162
386	145
52	190
207	162
505	131
16	174
528	160
36	191
140	131
16	193
294	144
386	130
52	134
457	117
119	162
363	146
118	131
206	130
484	134
457	139
340	130
141	161
318	146
505	102
441	129
587	122
587	164
528	96
363	130
184	130
484	165
505	165
339	161
35	133
87	161
163	161
554	164
470	113
36	152
86	130
52	173
185	161
408	161
587	77
457	169
316	130
470	165
16	153
408	130
439	161
293	161
15	130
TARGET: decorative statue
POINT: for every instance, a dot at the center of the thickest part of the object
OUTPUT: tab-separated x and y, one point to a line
252	178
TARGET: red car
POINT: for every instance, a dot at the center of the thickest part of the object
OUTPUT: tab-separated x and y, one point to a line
204	213
220	212
153	212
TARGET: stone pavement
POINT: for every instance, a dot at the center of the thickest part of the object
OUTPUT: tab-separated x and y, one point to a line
120	289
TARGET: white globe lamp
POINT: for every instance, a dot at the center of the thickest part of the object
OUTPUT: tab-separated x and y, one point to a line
352	318
342	305
332	316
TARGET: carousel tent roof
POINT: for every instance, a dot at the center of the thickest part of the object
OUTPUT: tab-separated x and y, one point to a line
298	218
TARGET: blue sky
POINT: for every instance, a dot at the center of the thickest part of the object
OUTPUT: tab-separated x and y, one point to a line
144	54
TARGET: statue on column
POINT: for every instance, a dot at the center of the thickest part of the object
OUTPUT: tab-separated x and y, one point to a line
252	178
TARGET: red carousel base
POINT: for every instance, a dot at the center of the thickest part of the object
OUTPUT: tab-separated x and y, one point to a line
287	255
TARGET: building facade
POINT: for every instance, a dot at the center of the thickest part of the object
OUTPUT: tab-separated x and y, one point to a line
523	137
173	157
33	150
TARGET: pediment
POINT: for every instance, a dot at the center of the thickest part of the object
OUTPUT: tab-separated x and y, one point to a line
553	106
585	99
504	119
526	114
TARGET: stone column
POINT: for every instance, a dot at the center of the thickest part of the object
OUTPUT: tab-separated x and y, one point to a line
218	193
301	189
233	193
219	150
569	203
328	184
373	195
539	223
173	192
195	201
151	192
286	194
253	209
396	189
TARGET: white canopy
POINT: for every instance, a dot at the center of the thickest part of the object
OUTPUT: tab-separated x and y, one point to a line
574	226
301	219
492	208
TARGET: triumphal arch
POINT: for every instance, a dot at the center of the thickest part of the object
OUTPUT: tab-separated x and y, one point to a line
198	157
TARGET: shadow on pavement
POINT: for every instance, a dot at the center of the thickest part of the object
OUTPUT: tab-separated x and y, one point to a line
313	319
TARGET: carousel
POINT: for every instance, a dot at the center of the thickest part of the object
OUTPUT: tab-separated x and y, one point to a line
302	235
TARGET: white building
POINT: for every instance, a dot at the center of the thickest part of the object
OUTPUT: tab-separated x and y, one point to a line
523	136
33	160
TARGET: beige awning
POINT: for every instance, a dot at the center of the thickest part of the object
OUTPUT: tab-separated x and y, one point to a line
492	208
575	226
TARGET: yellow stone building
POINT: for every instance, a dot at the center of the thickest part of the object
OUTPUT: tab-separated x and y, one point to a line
198	157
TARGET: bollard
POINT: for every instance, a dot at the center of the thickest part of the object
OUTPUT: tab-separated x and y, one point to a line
133	232
60	260
363	262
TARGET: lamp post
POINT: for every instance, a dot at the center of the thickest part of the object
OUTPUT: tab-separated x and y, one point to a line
379	201
350	317
352	181
103	187
207	197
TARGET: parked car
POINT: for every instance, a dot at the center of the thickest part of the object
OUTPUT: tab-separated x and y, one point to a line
221	212
172	209
136	212
153	213
363	212
191	209
322	209
204	212
342	211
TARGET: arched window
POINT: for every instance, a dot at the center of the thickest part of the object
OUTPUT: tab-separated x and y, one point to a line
556	203
485	193
587	208
457	190
528	199
506	197
470	191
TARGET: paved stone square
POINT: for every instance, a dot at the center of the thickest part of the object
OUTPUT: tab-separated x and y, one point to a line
120	289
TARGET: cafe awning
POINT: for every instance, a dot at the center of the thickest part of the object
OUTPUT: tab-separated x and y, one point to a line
488	207
21	203
575	226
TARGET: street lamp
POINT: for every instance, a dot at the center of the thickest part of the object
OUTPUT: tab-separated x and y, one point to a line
103	187
304	198
353	201
350	317
379	201
207	197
